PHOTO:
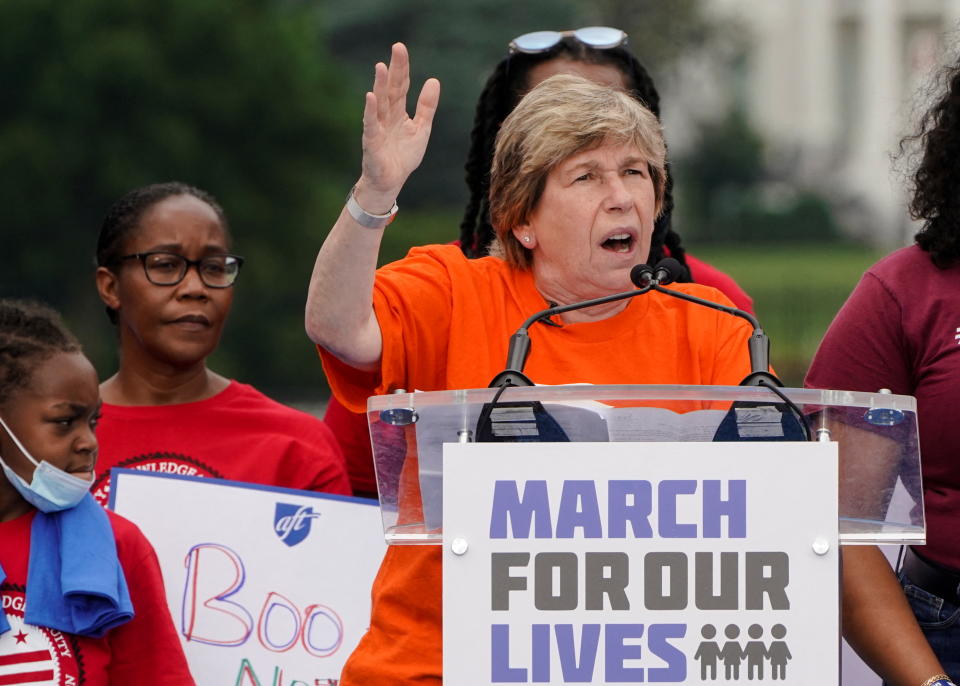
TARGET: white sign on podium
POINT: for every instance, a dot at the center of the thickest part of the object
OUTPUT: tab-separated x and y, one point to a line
266	586
602	563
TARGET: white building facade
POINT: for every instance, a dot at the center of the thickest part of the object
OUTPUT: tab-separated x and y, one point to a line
832	86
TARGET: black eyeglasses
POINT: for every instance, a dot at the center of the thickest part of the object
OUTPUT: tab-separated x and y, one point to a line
169	268
598	37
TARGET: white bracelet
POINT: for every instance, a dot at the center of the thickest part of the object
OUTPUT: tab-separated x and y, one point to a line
366	219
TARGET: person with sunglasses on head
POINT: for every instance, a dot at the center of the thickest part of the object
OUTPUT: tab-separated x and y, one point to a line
166	276
81	594
598	53
576	185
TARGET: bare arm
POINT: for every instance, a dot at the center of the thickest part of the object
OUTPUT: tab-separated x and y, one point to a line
339	314
877	620
879	624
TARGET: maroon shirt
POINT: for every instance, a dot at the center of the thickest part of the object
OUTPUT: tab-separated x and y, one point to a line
900	329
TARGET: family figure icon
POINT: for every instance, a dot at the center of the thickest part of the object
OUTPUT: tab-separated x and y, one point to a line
733	653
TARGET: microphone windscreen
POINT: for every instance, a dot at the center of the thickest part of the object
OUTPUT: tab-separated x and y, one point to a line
668	270
641	275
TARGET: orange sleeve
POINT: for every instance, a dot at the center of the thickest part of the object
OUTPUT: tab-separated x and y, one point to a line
413	303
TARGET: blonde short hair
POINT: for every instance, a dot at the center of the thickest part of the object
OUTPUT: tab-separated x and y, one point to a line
562	116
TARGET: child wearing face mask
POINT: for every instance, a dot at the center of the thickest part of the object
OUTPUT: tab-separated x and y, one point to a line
80	589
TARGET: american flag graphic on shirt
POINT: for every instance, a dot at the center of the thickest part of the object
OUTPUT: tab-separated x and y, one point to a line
34	656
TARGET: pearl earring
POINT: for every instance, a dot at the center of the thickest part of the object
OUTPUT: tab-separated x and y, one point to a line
526	239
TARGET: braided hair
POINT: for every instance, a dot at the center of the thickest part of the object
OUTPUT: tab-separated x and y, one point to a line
503	90
124	216
30	333
936	197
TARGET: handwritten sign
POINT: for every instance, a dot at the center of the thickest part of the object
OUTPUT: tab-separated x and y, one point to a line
640	562
267	586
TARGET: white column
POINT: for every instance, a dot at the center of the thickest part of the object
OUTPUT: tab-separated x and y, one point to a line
874	138
951	22
774	68
814	67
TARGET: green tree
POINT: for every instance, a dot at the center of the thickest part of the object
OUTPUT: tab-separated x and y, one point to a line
236	96
259	102
727	193
460	42
457	42
660	32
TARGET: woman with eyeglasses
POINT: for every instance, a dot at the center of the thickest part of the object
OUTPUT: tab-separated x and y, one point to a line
81	594
166	275
598	53
577	183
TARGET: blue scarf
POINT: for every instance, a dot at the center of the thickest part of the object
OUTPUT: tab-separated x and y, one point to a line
74	580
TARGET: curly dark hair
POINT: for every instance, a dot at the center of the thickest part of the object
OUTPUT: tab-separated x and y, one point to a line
936	196
30	333
123	218
503	90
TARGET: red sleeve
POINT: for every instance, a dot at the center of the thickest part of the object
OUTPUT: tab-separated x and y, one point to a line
321	454
864	349
708	275
146	650
352	433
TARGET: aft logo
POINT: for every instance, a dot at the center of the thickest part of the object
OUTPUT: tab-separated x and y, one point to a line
291	523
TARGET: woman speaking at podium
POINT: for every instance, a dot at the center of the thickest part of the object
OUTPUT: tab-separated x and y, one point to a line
576	185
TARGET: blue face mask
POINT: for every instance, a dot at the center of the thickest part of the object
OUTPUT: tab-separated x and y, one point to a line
51	488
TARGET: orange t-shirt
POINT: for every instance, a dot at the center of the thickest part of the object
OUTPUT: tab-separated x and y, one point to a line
446	322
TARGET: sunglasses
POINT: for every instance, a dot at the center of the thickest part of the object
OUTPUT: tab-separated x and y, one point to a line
598	37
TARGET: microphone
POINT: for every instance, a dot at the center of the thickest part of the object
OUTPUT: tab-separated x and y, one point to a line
528	421
519	348
759	421
669	270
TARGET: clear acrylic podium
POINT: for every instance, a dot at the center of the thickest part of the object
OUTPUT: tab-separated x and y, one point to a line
880	493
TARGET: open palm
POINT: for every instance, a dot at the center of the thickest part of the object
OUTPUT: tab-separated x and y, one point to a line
393	142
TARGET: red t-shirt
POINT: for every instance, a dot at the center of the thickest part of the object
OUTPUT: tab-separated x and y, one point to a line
352	433
238	434
445	322
142	652
900	329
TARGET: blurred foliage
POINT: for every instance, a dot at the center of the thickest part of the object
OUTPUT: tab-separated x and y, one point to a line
460	43
660	32
256	101
259	102
797	289
726	192
453	41
238	97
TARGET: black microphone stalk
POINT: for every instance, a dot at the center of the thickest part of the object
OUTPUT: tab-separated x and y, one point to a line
669	270
519	348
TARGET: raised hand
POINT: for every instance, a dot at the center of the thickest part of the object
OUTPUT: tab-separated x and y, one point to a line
393	142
